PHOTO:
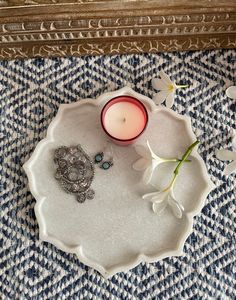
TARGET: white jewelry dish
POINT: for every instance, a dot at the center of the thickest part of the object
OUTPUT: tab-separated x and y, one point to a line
117	229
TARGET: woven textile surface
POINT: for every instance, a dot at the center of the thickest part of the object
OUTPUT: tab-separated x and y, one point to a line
30	94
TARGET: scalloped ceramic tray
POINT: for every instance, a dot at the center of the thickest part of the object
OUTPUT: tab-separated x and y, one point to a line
117	229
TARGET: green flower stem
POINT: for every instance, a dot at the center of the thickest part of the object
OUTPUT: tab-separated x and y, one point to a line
171	184
182	86
187	160
184	157
176	160
181	161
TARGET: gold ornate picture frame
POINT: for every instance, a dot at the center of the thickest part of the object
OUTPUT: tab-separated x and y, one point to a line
43	28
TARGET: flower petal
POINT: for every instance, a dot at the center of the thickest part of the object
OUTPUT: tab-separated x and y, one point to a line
231	92
230	168
150	149
159	84
154	156
234	142
143	151
165	78
147	175
158	208
225	154
150	196
170	100
176	207
141	164
160	97
157	197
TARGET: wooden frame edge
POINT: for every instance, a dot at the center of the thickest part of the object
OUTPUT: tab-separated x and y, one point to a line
26	32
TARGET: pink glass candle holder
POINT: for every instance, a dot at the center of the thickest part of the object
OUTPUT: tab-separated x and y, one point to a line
124	119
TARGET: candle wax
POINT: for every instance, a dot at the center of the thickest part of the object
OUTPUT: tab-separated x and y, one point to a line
124	120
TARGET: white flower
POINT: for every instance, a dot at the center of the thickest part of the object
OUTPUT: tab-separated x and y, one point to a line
161	199
148	161
228	155
166	89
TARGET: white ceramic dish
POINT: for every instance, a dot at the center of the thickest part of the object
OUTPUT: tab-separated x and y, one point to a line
117	229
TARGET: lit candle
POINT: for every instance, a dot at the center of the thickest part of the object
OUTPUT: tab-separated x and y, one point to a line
124	119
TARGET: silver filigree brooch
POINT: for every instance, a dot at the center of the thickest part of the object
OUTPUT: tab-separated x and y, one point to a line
75	172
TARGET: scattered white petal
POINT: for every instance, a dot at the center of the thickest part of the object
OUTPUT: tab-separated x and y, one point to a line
230	168
231	92
234	142
225	154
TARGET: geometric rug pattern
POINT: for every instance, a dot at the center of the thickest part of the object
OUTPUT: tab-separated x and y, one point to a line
30	94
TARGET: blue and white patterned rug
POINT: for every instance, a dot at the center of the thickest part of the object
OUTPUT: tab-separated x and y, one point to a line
30	94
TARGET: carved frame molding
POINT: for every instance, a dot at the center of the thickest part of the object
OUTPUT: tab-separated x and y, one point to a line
44	28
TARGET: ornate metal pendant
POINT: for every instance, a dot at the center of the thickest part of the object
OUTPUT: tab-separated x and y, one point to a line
75	171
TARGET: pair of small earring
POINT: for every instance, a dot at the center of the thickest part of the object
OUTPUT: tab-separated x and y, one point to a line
105	165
